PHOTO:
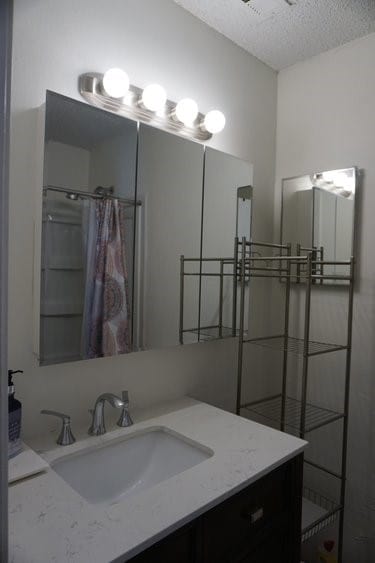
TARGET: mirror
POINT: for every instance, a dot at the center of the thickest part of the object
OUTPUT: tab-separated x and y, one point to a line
122	202
212	274
318	216
88	153
170	187
226	214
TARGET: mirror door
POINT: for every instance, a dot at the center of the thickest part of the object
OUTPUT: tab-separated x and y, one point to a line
170	188
89	172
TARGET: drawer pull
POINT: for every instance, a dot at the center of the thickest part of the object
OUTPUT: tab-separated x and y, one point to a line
254	516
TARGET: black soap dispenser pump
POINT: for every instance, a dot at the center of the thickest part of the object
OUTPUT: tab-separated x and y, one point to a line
15	415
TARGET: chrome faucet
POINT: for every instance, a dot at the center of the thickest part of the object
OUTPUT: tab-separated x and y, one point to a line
125	418
97	427
66	435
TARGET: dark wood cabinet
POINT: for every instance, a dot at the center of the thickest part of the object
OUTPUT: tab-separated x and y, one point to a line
260	524
179	547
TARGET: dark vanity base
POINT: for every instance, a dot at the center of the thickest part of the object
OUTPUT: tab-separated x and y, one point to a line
261	524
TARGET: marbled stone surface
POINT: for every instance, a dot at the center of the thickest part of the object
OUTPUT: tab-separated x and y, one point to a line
25	464
49	522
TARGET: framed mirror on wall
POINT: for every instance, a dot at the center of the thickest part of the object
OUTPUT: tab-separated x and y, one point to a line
122	201
318	216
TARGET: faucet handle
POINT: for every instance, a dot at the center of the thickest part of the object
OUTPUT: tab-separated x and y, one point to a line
65	417
66	437
125	397
125	418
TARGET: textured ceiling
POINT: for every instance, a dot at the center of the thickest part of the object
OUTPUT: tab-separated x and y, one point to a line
279	34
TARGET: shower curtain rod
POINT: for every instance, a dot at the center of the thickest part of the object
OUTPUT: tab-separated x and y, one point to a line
83	194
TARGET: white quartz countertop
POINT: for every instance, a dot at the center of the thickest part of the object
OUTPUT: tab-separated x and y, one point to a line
49	522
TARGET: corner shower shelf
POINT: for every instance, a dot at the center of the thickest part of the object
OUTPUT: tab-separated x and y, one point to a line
271	408
62	268
318	512
295	345
62	221
49	309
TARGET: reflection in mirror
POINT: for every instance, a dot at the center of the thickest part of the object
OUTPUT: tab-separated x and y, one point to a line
170	186
87	232
226	214
318	216
122	203
243	223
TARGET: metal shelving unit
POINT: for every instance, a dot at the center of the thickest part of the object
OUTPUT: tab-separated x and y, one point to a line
298	416
271	408
295	345
318	512
224	268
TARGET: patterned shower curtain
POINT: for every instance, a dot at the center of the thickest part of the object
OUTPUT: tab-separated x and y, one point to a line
106	321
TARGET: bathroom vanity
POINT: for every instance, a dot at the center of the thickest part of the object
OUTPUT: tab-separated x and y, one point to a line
260	524
235	498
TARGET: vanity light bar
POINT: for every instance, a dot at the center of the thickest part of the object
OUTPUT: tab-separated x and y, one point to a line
113	92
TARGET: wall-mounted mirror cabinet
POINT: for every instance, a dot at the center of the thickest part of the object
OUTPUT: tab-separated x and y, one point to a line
86	278
122	202
318	216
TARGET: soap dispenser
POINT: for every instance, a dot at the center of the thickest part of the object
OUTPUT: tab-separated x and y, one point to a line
15	414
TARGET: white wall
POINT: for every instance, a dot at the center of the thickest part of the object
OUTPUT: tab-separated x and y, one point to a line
65	165
326	120
53	43
113	164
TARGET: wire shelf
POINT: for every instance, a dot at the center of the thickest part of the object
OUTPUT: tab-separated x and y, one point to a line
295	345
318	512
271	408
211	332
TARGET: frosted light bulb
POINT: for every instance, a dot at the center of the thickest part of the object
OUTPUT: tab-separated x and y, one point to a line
115	83
187	111
154	97
214	122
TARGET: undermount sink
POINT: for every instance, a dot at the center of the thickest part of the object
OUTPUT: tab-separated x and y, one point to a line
111	472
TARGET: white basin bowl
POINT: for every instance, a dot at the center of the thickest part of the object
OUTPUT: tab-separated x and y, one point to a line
122	467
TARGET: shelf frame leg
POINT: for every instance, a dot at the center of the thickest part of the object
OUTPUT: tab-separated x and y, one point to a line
346	411
221	293
305	367
182	279
286	341
241	328
235	279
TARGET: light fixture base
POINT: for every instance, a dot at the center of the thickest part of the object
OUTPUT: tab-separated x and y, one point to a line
90	89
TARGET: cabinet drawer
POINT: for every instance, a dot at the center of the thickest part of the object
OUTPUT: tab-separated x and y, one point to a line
178	547
243	520
271	551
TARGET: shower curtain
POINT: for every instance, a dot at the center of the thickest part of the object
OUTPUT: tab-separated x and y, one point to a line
106	321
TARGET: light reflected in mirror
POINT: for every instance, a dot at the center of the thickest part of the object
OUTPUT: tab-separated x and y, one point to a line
318	216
